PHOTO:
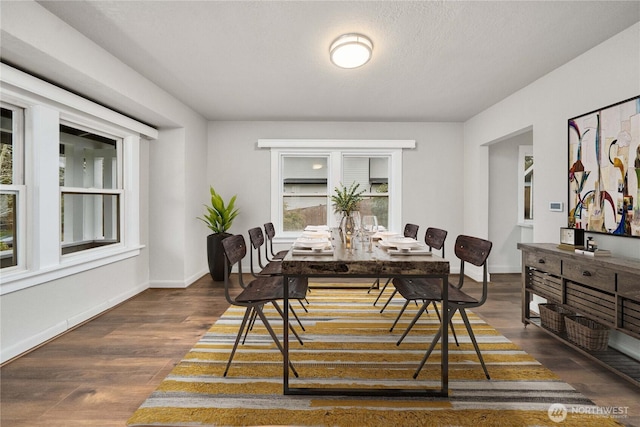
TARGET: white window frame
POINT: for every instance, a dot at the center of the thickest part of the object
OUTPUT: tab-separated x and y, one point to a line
335	150
45	106
523	152
18	187
118	189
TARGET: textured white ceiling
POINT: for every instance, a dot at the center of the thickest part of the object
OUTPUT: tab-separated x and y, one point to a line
268	60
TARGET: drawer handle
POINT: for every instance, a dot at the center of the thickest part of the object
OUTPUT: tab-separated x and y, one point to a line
586	273
541	261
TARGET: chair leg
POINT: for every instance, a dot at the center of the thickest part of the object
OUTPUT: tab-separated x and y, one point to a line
252	321
296	316
404	307
247	312
279	310
413	322
382	291
374	285
453	331
274	337
436	338
395	291
473	340
302	305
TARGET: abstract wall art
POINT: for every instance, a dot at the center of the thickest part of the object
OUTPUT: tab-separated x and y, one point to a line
604	170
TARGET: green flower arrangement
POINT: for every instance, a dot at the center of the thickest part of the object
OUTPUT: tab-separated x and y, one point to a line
345	199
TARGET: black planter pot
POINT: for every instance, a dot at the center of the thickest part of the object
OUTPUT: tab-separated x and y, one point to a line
215	255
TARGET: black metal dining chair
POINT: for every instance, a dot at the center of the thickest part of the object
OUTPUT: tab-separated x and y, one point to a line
269	253
267	267
410	230
274	268
471	250
434	238
254	295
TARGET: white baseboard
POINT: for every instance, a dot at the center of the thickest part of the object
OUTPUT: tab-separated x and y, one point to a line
33	341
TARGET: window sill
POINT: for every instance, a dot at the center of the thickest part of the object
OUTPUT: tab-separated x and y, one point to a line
18	280
525	224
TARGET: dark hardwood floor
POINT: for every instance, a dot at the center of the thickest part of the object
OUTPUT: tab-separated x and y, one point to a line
99	373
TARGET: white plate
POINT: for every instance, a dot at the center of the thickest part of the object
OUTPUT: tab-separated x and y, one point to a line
316	228
385	235
413	251
311	243
313	252
316	234
403	242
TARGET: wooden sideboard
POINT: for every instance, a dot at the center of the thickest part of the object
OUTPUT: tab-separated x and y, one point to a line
604	289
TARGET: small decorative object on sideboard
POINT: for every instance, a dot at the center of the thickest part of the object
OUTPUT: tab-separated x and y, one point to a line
592	249
571	238
596	253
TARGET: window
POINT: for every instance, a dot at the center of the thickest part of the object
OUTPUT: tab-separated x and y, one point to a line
305	191
372	173
69	198
90	189
525	184
303	178
12	192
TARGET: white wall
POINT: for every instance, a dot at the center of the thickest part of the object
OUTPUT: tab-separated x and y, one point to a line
36	41
604	75
504	231
432	173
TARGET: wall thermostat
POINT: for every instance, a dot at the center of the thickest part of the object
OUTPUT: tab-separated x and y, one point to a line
556	206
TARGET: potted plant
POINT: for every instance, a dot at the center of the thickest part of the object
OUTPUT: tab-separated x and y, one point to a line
345	202
218	218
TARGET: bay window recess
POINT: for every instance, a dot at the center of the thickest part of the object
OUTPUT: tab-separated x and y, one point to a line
69	187
304	174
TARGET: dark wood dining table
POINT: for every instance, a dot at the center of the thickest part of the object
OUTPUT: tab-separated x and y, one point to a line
358	262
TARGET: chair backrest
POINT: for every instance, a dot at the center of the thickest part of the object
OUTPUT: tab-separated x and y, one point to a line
474	251
434	238
270	231
257	239
411	230
235	250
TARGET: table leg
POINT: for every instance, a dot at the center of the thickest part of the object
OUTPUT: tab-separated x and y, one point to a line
285	338
444	363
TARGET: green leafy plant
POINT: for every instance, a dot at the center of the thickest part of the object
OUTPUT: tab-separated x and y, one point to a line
219	216
346	199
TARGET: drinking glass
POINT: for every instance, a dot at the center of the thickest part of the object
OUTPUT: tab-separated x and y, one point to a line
357	222
370	227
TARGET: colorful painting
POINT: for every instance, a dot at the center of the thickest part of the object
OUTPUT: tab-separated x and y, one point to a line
604	170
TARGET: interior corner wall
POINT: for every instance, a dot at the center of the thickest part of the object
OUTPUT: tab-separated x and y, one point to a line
178	189
432	172
36	41
168	199
606	74
504	230
197	195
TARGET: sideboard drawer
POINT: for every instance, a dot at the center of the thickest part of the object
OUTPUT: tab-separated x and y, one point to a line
590	275
548	263
629	285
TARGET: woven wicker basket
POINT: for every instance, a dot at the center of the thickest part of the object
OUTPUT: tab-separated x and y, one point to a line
552	316
587	333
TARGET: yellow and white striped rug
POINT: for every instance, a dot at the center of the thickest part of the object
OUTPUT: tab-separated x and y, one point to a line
347	344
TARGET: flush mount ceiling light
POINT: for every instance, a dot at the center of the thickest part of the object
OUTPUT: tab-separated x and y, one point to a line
351	50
